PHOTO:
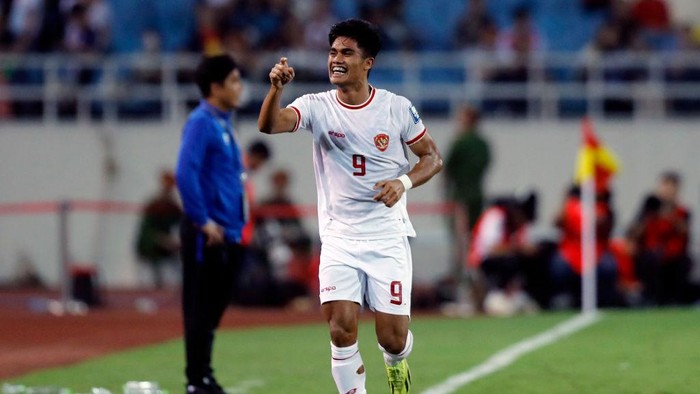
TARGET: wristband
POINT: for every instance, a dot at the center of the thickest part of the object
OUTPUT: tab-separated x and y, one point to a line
407	184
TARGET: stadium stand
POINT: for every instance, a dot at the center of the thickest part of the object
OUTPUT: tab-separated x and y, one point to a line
616	58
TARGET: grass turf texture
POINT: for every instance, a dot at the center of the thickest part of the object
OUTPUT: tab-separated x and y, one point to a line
626	352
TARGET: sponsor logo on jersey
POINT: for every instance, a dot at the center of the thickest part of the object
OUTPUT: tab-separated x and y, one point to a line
414	114
381	141
336	134
327	289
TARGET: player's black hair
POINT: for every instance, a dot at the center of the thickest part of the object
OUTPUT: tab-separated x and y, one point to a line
525	205
366	34
528	205
213	69
259	148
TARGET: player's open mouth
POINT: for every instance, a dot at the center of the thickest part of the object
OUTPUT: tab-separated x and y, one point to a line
338	70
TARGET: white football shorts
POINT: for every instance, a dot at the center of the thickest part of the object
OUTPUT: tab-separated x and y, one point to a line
375	272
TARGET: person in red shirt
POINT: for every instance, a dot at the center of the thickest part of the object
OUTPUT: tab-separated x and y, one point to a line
566	266
501	247
661	232
652	14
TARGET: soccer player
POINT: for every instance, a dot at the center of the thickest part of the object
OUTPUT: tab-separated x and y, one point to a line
362	174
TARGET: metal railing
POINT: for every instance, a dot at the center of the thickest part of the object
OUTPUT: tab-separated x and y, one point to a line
55	88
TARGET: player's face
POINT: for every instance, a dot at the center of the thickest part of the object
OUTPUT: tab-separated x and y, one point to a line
229	92
346	63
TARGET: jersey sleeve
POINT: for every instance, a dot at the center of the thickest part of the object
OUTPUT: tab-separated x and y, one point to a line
302	108
413	129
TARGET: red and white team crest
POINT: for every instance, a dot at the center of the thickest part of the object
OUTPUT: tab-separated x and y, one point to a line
381	141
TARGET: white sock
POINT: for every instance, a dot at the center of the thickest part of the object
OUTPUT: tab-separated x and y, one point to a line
393	359
347	369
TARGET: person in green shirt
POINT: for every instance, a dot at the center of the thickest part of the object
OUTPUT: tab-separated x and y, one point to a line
467	162
157	244
466	165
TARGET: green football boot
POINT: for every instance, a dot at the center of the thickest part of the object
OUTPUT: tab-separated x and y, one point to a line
399	377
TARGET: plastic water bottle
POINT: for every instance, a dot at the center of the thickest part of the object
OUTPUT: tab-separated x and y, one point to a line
9	388
135	387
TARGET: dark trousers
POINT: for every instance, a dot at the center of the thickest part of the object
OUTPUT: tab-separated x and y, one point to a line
665	280
209	277
502	270
566	282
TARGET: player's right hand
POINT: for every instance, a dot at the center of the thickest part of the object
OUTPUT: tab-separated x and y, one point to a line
214	233
281	74
390	192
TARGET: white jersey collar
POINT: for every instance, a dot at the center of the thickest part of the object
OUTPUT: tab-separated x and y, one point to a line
358	106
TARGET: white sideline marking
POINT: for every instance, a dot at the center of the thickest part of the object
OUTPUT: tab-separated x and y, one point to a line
508	355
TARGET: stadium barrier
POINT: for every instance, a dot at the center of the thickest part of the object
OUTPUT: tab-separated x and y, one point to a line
549	85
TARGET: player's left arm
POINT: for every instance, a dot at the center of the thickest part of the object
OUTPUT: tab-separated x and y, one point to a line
429	163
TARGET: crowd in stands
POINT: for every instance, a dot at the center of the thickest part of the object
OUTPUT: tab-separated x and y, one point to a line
507	26
505	33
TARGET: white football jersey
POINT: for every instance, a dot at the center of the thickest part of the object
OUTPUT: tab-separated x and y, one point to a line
356	146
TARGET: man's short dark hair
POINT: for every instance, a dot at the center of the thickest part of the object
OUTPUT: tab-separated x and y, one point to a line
259	148
213	69
365	33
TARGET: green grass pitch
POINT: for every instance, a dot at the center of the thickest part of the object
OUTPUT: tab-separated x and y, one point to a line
654	351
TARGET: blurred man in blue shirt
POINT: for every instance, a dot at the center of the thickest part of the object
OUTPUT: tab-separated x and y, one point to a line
210	177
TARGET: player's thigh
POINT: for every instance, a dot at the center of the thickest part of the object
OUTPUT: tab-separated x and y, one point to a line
389	270
339	277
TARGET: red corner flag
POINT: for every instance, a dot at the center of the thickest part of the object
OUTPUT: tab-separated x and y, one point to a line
594	159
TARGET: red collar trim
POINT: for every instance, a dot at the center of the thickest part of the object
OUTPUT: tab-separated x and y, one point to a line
359	106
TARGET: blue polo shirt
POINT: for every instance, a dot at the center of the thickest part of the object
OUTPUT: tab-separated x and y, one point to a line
210	171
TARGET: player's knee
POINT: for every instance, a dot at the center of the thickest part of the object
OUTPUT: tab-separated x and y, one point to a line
393	344
342	335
